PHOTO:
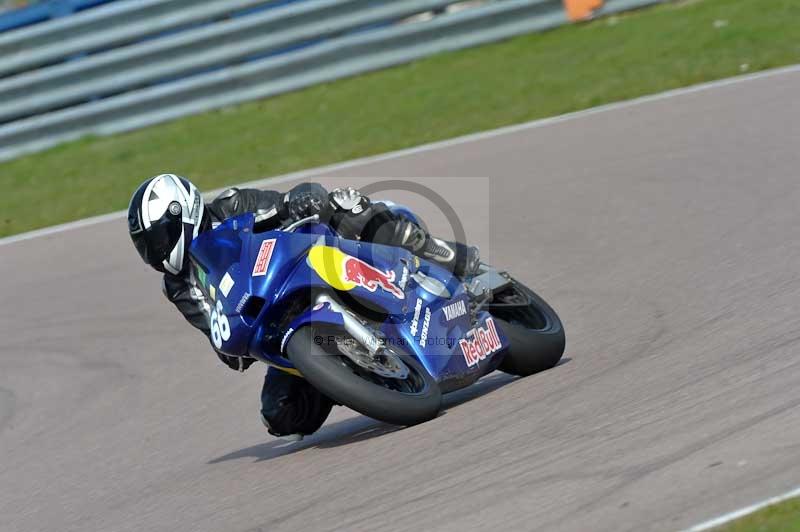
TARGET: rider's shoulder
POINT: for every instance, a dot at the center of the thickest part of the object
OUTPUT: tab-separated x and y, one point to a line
234	194
227	193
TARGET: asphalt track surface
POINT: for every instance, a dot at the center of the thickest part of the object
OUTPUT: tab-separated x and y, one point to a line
665	234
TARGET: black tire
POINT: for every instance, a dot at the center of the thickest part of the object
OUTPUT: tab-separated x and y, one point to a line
339	378
534	330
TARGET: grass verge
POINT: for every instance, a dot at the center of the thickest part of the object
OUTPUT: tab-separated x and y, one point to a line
781	517
525	78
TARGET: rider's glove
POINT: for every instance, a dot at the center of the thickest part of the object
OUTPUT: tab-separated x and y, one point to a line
306	200
348	199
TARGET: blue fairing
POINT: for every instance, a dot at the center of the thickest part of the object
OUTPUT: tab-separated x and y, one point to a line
262	283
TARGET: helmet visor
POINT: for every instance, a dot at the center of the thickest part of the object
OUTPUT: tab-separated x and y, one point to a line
155	243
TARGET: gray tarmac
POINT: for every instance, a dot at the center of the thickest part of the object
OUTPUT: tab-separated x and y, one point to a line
664	233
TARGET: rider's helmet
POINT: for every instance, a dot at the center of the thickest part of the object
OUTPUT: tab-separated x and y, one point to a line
165	214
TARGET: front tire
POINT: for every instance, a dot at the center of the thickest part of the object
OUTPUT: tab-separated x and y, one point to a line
413	400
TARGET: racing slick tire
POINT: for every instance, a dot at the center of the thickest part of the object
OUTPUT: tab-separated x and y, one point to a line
533	328
410	401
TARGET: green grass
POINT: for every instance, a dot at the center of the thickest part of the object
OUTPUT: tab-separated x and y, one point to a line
783	517
533	76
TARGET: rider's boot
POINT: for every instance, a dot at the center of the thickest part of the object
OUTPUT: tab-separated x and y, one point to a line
285	437
459	258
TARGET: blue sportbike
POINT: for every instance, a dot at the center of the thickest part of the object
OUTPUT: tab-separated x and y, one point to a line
373	327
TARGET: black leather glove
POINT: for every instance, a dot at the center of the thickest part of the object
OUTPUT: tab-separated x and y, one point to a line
307	199
236	363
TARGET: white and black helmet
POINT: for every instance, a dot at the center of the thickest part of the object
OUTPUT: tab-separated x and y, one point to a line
165	214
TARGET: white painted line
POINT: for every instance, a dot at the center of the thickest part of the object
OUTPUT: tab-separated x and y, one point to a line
721	520
46	231
474	137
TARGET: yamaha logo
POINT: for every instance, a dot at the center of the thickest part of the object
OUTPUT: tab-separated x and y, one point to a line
455	310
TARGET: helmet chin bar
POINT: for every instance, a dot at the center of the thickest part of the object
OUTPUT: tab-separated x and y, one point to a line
177	258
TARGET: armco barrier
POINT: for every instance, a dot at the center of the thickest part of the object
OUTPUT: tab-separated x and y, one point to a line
44	10
105	27
333	57
196	50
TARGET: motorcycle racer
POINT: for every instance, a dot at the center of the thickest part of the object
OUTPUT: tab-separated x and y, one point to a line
167	212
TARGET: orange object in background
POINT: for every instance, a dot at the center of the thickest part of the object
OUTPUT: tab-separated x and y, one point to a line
581	9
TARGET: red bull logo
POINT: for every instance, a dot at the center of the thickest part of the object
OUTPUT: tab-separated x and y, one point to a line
359	272
345	272
483	343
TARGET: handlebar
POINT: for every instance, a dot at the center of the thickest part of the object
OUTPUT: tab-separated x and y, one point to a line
294	225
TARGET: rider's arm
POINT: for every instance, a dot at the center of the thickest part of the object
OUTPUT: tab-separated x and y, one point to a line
234	201
190	301
351	214
357	218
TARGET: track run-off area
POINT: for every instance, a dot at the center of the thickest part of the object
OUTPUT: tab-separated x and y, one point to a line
664	232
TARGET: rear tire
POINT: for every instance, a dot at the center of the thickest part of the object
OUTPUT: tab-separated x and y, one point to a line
534	331
414	400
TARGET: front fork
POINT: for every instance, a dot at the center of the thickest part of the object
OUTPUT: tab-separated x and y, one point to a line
363	334
378	358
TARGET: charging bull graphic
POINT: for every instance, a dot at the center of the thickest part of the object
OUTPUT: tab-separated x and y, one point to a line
345	272
359	272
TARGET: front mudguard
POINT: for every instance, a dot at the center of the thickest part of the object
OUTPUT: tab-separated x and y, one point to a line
321	313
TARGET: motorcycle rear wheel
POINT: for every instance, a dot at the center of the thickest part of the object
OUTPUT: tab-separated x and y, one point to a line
533	328
409	401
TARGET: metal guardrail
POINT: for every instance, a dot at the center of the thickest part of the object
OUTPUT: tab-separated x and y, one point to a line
226	43
333	57
42	11
104	27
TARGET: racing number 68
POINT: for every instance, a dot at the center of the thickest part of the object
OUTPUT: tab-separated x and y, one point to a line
220	328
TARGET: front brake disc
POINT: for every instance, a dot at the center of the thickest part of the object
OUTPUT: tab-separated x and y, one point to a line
384	362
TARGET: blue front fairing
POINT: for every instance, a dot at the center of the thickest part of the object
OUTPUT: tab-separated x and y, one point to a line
228	267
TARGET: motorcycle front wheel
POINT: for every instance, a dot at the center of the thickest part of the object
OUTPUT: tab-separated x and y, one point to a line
325	356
